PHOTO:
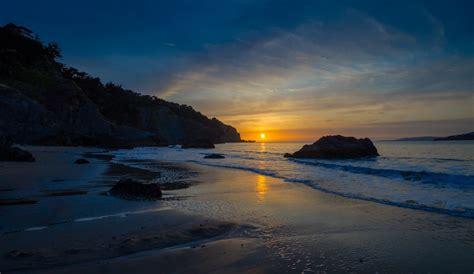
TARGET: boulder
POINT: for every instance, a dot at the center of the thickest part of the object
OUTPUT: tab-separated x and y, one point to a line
132	189
14	154
214	156
337	147
81	161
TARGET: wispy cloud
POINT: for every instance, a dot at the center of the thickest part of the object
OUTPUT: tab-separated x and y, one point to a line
168	44
278	65
356	70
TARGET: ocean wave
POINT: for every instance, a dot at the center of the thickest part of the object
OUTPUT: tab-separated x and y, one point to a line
408	182
426	158
424	177
456	211
265	172
254	152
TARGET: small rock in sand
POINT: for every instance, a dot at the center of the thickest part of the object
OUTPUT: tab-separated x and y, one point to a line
16	254
214	156
131	189
21	201
81	161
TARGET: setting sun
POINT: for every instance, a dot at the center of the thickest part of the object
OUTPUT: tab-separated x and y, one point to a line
262	135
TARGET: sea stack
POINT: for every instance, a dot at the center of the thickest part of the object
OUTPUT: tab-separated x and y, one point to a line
337	147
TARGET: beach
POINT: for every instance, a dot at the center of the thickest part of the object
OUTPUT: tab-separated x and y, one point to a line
226	221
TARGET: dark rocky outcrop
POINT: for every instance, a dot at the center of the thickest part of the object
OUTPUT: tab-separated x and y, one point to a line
81	161
198	144
8	152
44	102
131	189
214	156
337	147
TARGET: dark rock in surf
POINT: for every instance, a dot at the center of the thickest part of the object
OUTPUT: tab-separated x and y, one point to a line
81	162
132	190
337	147
198	144
214	156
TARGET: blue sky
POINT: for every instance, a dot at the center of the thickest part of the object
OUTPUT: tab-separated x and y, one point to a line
294	69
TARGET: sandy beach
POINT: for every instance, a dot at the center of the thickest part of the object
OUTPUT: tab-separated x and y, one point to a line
227	221
236	137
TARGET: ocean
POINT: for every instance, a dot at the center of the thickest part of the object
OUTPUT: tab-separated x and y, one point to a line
425	175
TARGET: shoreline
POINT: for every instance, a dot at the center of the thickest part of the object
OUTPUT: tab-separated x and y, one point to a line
253	223
128	226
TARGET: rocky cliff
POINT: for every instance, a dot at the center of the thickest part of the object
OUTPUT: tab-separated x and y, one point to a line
44	102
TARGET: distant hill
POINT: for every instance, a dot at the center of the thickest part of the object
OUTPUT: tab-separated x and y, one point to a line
460	137
45	102
421	138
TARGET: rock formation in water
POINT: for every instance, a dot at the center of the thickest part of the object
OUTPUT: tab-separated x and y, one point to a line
337	147
198	144
44	102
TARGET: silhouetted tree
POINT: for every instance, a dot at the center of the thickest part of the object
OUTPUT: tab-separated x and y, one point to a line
53	51
19	30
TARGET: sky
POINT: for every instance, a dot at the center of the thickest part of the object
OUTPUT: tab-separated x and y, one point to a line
295	70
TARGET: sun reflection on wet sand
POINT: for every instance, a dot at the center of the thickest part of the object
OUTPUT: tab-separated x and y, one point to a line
261	187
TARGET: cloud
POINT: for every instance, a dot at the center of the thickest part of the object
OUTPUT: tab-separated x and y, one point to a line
354	70
359	74
377	131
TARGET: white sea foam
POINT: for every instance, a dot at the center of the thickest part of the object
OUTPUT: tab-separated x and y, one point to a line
424	175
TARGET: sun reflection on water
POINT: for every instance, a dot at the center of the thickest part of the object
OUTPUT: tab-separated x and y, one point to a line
263	147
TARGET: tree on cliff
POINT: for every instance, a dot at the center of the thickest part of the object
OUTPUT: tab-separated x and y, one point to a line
66	94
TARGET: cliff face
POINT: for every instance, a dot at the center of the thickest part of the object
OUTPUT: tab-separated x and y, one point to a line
43	102
171	122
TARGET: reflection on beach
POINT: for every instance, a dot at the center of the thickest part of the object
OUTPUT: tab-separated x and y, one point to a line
261	187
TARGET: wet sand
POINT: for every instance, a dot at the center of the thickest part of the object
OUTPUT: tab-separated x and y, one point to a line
228	221
72	222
